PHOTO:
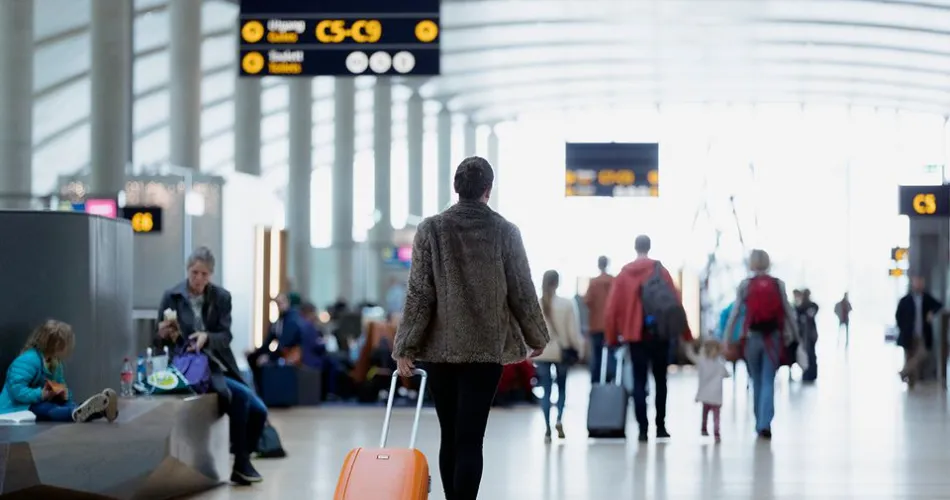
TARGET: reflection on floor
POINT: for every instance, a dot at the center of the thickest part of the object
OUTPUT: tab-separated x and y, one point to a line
856	434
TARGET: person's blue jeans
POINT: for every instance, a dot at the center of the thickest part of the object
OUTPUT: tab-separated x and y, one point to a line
248	414
760	357
596	358
53	412
546	380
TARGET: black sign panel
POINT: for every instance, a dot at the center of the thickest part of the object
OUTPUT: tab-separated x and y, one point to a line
612	169
143	219
339	37
925	201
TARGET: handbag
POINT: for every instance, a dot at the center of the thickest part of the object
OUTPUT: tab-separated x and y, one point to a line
195	367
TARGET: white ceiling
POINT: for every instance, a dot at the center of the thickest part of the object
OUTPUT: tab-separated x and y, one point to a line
503	58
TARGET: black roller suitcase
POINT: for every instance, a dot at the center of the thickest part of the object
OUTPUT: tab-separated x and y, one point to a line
607	410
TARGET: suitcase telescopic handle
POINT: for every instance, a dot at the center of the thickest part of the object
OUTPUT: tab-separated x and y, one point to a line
604	356
389	408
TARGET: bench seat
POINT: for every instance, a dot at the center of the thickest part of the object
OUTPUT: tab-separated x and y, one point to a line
159	448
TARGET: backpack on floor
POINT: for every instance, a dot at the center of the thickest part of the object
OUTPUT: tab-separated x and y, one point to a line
764	305
269	445
661	303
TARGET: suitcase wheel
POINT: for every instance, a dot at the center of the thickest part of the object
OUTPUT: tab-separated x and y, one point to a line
430	484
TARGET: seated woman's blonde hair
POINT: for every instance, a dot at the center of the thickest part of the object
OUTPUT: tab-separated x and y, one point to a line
759	261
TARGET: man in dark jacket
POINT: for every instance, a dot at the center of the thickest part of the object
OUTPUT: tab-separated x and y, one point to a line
914	316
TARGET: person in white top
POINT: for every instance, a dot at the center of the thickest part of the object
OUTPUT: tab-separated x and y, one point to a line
712	370
561	318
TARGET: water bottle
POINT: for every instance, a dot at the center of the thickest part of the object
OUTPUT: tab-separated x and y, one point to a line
125	385
149	369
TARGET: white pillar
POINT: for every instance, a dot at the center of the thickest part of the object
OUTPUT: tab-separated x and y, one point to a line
298	183
344	156
247	125
471	138
493	159
381	235
16	103
415	138
110	80
445	170
185	83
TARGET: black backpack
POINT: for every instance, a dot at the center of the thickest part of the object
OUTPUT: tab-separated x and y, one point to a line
660	301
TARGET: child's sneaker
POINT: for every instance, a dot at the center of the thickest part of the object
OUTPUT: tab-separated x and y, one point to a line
92	408
705	433
718	439
112	408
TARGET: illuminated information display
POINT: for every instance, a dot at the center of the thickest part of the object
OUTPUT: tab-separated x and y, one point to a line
925	201
612	169
339	37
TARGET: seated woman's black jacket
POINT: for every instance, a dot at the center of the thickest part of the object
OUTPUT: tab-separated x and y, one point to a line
216	315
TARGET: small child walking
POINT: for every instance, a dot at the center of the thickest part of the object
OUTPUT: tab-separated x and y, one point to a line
36	381
712	370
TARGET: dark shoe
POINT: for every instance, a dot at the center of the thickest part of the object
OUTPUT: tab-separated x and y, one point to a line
560	430
92	408
643	438
705	433
244	473
718	439
766	434
547	436
662	433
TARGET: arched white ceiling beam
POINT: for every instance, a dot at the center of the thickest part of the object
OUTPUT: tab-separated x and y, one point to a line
487	103
603	101
618	70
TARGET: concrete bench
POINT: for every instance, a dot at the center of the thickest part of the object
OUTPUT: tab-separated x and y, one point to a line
159	448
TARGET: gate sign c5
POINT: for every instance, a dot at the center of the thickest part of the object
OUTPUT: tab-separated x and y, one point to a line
144	220
925	201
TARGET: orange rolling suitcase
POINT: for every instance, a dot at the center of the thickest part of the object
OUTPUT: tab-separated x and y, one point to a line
387	473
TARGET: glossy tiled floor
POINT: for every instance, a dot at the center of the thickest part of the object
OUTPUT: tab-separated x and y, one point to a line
857	434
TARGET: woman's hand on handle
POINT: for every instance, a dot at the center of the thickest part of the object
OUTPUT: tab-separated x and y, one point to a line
200	339
405	366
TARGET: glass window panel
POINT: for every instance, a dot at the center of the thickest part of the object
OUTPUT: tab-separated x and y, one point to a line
52	17
63	108
217	85
64	59
217	153
151	31
218	51
150	71
66	155
150	111
321	207
152	148
364	191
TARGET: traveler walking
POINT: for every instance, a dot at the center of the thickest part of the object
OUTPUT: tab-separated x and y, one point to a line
471	307
914	321
644	310
566	342
771	325
596	301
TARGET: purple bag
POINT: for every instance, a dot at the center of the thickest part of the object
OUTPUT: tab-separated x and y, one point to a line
196	369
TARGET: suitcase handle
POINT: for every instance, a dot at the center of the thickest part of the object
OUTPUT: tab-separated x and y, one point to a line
618	378
389	408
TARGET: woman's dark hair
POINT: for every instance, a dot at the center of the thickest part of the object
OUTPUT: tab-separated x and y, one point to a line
473	177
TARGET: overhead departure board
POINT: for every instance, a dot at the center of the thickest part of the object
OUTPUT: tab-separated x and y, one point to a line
925	201
612	169
339	37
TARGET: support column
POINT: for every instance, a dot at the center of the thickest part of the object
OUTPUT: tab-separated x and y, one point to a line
445	170
343	158
16	103
493	159
298	183
110	80
415	138
381	235
247	126
471	138
185	83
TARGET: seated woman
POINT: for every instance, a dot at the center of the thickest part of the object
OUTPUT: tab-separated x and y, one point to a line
36	382
202	313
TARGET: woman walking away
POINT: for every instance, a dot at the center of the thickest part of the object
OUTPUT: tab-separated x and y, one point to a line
770	326
471	307
560	315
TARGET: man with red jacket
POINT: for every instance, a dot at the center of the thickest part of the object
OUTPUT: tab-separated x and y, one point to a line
624	322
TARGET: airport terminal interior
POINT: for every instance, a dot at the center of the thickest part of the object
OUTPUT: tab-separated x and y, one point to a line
286	151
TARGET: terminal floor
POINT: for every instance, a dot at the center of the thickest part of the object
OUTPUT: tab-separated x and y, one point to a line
857	433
